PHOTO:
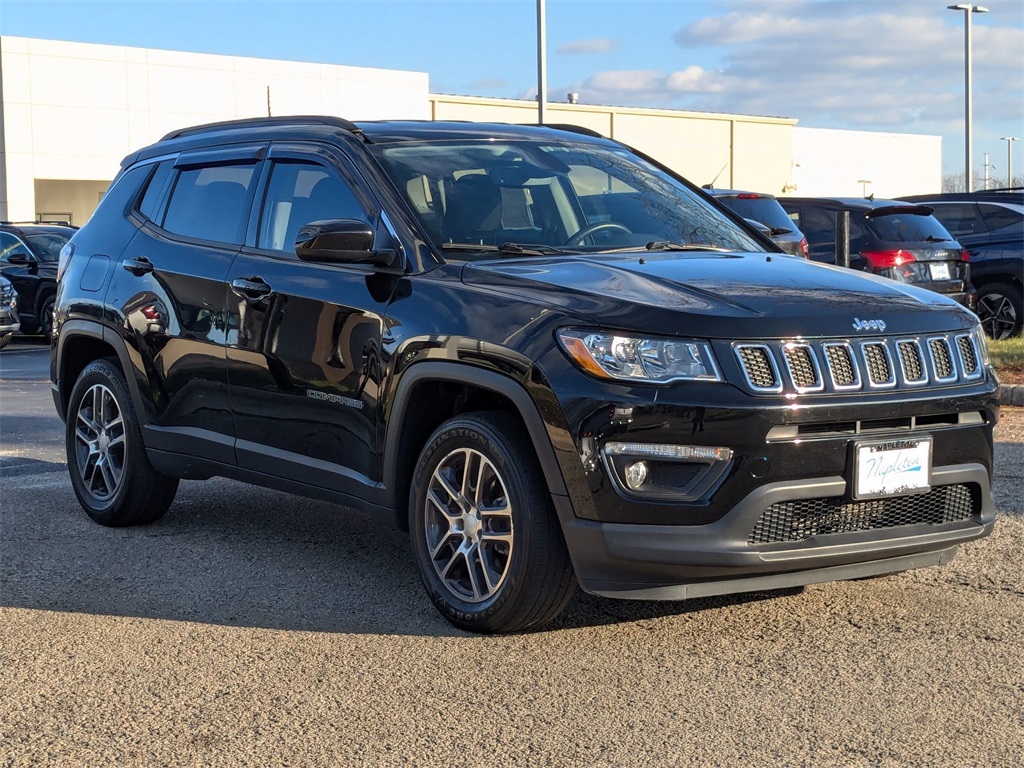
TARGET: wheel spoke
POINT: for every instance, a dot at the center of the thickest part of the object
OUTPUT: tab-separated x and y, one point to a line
471	570
84	438
97	406
451	561
432	497
107	475
89	470
496	536
115	441
114	422
440	545
89	423
479	493
443	481
466	468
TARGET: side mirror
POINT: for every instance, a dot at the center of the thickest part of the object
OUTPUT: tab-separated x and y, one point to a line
20	259
340	241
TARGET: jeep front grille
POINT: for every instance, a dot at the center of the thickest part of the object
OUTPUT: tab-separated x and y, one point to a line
791	521
759	367
839	365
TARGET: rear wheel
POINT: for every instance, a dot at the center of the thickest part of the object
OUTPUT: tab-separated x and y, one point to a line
46	317
1001	310
488	545
110	472
5	339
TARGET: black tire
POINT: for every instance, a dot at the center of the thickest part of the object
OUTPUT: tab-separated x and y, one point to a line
1000	309
5	339
46	317
110	472
518	568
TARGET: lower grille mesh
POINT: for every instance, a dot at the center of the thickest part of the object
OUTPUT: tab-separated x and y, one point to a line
803	519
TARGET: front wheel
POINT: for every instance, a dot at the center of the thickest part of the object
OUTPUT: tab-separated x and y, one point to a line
488	545
110	472
5	339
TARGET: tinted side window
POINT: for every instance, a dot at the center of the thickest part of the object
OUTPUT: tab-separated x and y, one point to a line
958	218
997	217
155	189
211	203
300	193
10	245
818	225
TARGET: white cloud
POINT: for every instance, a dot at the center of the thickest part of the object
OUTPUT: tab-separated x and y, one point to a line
594	45
893	67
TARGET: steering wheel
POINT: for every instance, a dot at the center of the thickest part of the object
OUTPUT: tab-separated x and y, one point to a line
586	232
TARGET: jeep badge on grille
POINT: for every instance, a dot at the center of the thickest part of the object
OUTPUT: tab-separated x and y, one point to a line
868	325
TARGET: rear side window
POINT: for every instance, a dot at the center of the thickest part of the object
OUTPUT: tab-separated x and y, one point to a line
766	210
211	203
148	207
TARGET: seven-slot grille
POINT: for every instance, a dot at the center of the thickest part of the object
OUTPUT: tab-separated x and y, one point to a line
839	365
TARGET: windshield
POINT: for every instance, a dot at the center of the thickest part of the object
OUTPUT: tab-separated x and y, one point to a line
907	227
47	245
472	197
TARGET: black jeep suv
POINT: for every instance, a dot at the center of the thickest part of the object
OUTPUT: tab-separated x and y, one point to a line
545	355
28	258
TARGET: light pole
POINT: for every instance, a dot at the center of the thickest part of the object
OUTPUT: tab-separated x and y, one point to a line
968	9
1009	159
542	64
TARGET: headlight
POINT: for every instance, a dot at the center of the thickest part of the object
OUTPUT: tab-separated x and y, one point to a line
634	358
981	341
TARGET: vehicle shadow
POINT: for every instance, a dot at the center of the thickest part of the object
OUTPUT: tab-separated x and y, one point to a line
237	555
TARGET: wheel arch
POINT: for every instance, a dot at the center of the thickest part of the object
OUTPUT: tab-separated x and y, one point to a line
454	388
78	344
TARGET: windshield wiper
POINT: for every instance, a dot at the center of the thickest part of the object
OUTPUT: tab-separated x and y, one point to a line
506	249
934	239
669	245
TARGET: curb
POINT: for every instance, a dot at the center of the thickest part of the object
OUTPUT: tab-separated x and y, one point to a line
1011	394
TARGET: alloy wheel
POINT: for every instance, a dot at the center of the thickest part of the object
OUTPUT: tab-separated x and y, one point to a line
468	525
997	314
100	442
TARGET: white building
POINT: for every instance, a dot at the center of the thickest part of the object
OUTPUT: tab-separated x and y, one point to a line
69	112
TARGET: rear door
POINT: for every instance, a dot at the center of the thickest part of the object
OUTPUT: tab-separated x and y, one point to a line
170	290
304	363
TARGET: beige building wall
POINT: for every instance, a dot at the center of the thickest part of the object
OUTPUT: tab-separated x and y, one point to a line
740	150
840	163
72	111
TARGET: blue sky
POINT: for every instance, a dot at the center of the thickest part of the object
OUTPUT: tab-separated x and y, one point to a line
886	65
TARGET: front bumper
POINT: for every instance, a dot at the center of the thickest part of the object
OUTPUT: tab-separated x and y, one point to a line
9	320
666	562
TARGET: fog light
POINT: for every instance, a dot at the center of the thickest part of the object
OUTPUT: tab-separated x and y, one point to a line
636	474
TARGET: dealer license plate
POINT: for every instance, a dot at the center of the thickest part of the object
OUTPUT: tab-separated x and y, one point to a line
892	468
939	271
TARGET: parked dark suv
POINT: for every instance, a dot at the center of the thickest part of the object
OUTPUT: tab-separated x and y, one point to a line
901	241
28	258
548	358
766	210
990	225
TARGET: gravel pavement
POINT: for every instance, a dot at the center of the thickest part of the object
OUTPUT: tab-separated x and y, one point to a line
254	628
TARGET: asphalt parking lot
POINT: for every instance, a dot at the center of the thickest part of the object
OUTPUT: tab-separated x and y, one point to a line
249	627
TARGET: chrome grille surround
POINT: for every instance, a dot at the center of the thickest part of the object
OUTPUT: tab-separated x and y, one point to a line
878	364
940	354
912	363
840	365
757	363
970	360
802	366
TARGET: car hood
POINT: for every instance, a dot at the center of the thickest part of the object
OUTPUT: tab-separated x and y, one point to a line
720	295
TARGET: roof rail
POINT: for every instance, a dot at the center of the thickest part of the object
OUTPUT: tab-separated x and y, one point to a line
573	129
47	222
258	122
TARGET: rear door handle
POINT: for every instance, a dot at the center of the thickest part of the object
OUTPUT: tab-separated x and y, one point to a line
138	267
252	288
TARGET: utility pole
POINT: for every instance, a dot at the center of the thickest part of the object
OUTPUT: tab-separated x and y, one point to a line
968	9
986	166
542	63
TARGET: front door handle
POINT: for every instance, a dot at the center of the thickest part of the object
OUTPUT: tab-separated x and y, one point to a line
138	267
252	288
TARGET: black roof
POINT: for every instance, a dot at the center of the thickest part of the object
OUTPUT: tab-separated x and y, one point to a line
1015	195
36	226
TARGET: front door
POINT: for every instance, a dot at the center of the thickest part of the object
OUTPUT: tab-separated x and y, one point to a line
304	365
